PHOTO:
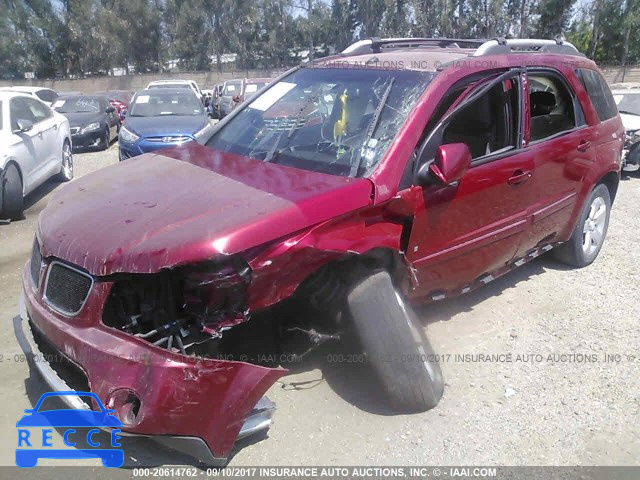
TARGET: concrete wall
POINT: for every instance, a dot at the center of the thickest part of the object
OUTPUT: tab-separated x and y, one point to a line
208	79
139	82
630	73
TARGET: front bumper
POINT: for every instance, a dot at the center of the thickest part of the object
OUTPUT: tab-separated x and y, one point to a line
194	405
86	140
129	150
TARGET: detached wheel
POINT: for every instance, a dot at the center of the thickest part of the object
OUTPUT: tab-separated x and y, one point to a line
66	169
395	344
588	237
12	199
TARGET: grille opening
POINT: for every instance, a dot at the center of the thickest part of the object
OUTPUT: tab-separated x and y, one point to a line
68	371
36	263
66	288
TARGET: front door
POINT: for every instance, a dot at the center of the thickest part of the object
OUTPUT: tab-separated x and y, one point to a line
461	233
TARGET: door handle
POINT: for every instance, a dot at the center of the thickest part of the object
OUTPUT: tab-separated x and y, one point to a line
584	146
55	126
519	177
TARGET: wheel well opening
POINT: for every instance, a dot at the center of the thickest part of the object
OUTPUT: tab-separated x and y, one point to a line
611	180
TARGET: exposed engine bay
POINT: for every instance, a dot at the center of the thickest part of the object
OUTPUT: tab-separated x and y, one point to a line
203	311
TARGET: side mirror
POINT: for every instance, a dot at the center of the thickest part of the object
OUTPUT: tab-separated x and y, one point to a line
110	109
23	126
451	163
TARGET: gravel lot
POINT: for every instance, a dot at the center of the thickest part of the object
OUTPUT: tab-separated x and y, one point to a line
528	409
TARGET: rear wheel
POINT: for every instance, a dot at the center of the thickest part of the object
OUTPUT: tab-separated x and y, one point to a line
588	236
11	191
66	170
395	343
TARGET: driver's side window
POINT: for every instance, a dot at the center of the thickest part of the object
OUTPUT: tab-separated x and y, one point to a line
489	124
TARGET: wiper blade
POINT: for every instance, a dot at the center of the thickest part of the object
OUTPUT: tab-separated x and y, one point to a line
373	124
627	112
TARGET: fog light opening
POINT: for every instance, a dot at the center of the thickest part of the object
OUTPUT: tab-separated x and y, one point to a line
127	406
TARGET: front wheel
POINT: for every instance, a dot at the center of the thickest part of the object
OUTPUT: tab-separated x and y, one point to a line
395	344
588	236
104	142
66	169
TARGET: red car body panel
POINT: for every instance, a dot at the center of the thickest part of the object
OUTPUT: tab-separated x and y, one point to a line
197	203
190	396
233	203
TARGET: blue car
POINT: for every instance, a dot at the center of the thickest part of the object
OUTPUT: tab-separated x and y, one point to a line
67	419
160	118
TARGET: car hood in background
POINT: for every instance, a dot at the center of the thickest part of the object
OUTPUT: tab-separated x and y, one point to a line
184	205
166	124
82	119
630	122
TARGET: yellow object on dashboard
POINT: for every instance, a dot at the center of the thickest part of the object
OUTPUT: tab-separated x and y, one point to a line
340	127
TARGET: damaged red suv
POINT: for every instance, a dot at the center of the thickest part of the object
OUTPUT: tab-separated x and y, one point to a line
400	171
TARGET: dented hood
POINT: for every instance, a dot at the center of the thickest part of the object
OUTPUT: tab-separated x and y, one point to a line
184	205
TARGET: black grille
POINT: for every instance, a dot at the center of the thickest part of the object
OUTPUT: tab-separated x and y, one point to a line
67	288
36	264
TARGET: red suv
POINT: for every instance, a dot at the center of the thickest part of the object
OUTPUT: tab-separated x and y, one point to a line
401	171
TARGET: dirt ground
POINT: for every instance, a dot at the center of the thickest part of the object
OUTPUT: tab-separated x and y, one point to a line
569	394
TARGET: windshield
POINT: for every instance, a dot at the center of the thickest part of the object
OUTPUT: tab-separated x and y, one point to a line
628	103
332	120
232	88
159	103
77	105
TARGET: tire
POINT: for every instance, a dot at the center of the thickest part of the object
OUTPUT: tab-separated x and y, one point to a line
395	343
591	230
66	169
11	191
106	140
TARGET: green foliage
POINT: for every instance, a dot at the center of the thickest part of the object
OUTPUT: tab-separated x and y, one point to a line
71	38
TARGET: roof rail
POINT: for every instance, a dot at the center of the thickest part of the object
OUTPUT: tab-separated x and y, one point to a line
375	44
500	46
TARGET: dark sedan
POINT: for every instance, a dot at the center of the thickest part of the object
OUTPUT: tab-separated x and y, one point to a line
161	118
93	120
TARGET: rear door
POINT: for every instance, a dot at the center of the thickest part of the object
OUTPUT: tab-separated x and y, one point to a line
462	233
562	148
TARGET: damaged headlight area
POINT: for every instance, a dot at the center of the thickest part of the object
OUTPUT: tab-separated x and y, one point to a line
181	309
201	310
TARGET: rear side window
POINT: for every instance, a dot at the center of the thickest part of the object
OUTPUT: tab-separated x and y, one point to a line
599	93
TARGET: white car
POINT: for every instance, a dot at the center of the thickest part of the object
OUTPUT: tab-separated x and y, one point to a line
46	95
35	145
627	98
177	84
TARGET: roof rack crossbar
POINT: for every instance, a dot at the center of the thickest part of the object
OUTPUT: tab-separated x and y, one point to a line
500	46
375	44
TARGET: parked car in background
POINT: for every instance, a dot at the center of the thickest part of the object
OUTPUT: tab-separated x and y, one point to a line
46	95
122	96
177	83
296	225
215	100
35	145
627	98
121	108
93	120
160	118
235	91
